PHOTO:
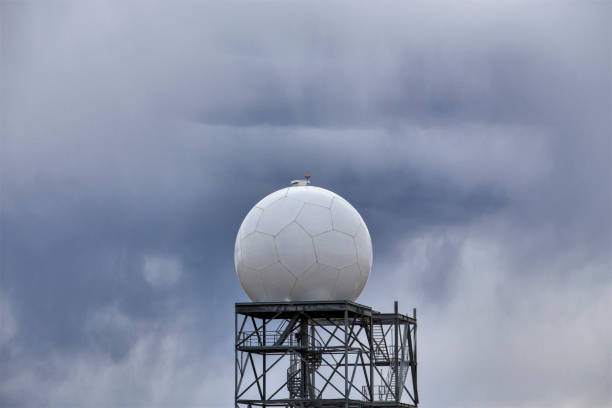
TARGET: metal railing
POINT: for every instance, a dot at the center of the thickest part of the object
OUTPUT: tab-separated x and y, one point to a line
258	339
275	338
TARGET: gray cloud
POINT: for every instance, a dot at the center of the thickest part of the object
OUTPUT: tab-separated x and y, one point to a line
473	138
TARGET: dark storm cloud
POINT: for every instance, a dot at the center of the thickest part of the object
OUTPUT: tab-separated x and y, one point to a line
474	140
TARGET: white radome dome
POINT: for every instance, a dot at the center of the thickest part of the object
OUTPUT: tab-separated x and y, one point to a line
303	243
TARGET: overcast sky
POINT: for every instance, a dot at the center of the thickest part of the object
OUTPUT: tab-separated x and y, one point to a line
473	137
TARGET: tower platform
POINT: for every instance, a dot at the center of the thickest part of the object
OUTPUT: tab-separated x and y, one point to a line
324	354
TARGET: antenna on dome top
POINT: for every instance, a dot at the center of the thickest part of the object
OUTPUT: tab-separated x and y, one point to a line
304	182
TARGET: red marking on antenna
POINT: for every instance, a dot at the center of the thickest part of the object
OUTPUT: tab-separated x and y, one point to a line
307	175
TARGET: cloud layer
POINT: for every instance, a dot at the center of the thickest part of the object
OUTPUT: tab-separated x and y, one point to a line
474	139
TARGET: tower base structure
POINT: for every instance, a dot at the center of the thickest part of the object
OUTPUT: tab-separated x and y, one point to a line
324	354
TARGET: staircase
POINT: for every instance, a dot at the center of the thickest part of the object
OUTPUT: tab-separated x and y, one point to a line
294	376
381	351
295	380
402	361
387	393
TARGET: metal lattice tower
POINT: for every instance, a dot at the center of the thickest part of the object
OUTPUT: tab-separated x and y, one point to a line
324	354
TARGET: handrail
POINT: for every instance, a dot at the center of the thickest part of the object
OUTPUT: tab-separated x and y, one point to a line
275	339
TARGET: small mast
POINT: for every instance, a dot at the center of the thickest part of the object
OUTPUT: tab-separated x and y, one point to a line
304	182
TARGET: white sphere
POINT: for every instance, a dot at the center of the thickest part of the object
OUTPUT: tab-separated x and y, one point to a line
303	243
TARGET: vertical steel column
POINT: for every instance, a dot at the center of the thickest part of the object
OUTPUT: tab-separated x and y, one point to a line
395	352
371	341
303	357
313	350
346	342
235	357
264	361
414	373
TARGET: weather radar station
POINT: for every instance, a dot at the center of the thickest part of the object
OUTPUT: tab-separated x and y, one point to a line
303	255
